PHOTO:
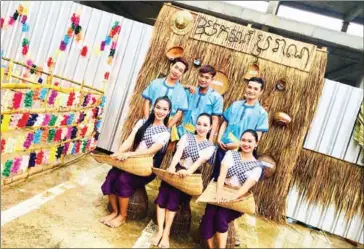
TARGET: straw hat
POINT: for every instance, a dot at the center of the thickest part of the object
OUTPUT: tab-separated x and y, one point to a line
253	71
174	52
282	118
220	83
181	22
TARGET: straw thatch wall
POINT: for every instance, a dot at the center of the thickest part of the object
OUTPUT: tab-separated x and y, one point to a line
299	100
325	180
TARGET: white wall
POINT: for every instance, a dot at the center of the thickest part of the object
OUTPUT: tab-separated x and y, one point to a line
331	133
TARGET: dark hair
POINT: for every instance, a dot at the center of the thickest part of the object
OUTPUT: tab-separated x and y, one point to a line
207	69
140	133
182	60
257	80
255	135
210	118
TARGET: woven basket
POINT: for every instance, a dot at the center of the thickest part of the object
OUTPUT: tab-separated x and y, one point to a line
138	205
139	165
182	221
244	205
230	242
191	184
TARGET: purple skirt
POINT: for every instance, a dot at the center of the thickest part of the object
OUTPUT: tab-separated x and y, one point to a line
123	184
216	219
170	198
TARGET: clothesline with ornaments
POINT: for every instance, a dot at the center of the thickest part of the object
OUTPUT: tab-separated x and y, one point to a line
46	155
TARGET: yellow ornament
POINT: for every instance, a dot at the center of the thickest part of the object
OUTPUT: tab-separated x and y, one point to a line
109	60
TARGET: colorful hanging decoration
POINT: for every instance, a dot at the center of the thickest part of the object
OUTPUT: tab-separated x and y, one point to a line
7	168
84	51
32	158
28	101
37	136
25	46
23	120
50	63
17	98
16	165
29	140
33	118
3	143
51	134
74	30
52	97
39	157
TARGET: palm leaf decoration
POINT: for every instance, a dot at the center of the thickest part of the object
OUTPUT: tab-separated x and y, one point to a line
359	127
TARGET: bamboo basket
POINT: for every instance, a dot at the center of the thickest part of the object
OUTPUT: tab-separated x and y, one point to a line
139	165
244	205
191	184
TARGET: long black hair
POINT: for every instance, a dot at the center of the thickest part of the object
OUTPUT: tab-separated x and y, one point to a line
140	133
210	119
255	135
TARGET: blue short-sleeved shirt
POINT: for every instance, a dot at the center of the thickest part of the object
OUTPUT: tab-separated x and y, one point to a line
211	102
241	117
177	94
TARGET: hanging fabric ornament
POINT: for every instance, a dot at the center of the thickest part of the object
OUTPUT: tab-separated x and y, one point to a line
102	46
71	119
43	93
71	98
73	150
23	121
17	100
37	136
2	22
69	132
24	19
81	118
50	62
109	60
83	131
65	119
39	157
85	100
107	40
59	151
28	101
52	154
53	120
103	100
84	143
95	112
62	46
11	21
88	144
51	134
84	51
58	135
3	143
74	132
40	120
52	97
36	94
78	146
106	75
46	120
69	32
97	134
16	15
7	168
64	133
25	28
46	156
40	80
24	163
33	118
66	39
5	122
65	148
78	29
32	159
44	135
29	140
10	145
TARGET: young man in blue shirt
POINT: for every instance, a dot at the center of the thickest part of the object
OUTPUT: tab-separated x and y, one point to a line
202	99
169	86
240	116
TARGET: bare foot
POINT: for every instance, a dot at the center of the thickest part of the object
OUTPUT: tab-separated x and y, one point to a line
164	242
116	222
157	238
108	218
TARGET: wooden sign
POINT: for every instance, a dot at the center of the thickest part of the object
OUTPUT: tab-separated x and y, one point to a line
253	41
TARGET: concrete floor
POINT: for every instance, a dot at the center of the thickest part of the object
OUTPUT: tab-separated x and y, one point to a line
73	203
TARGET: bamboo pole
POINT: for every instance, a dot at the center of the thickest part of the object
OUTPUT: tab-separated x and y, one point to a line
56	76
29	174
